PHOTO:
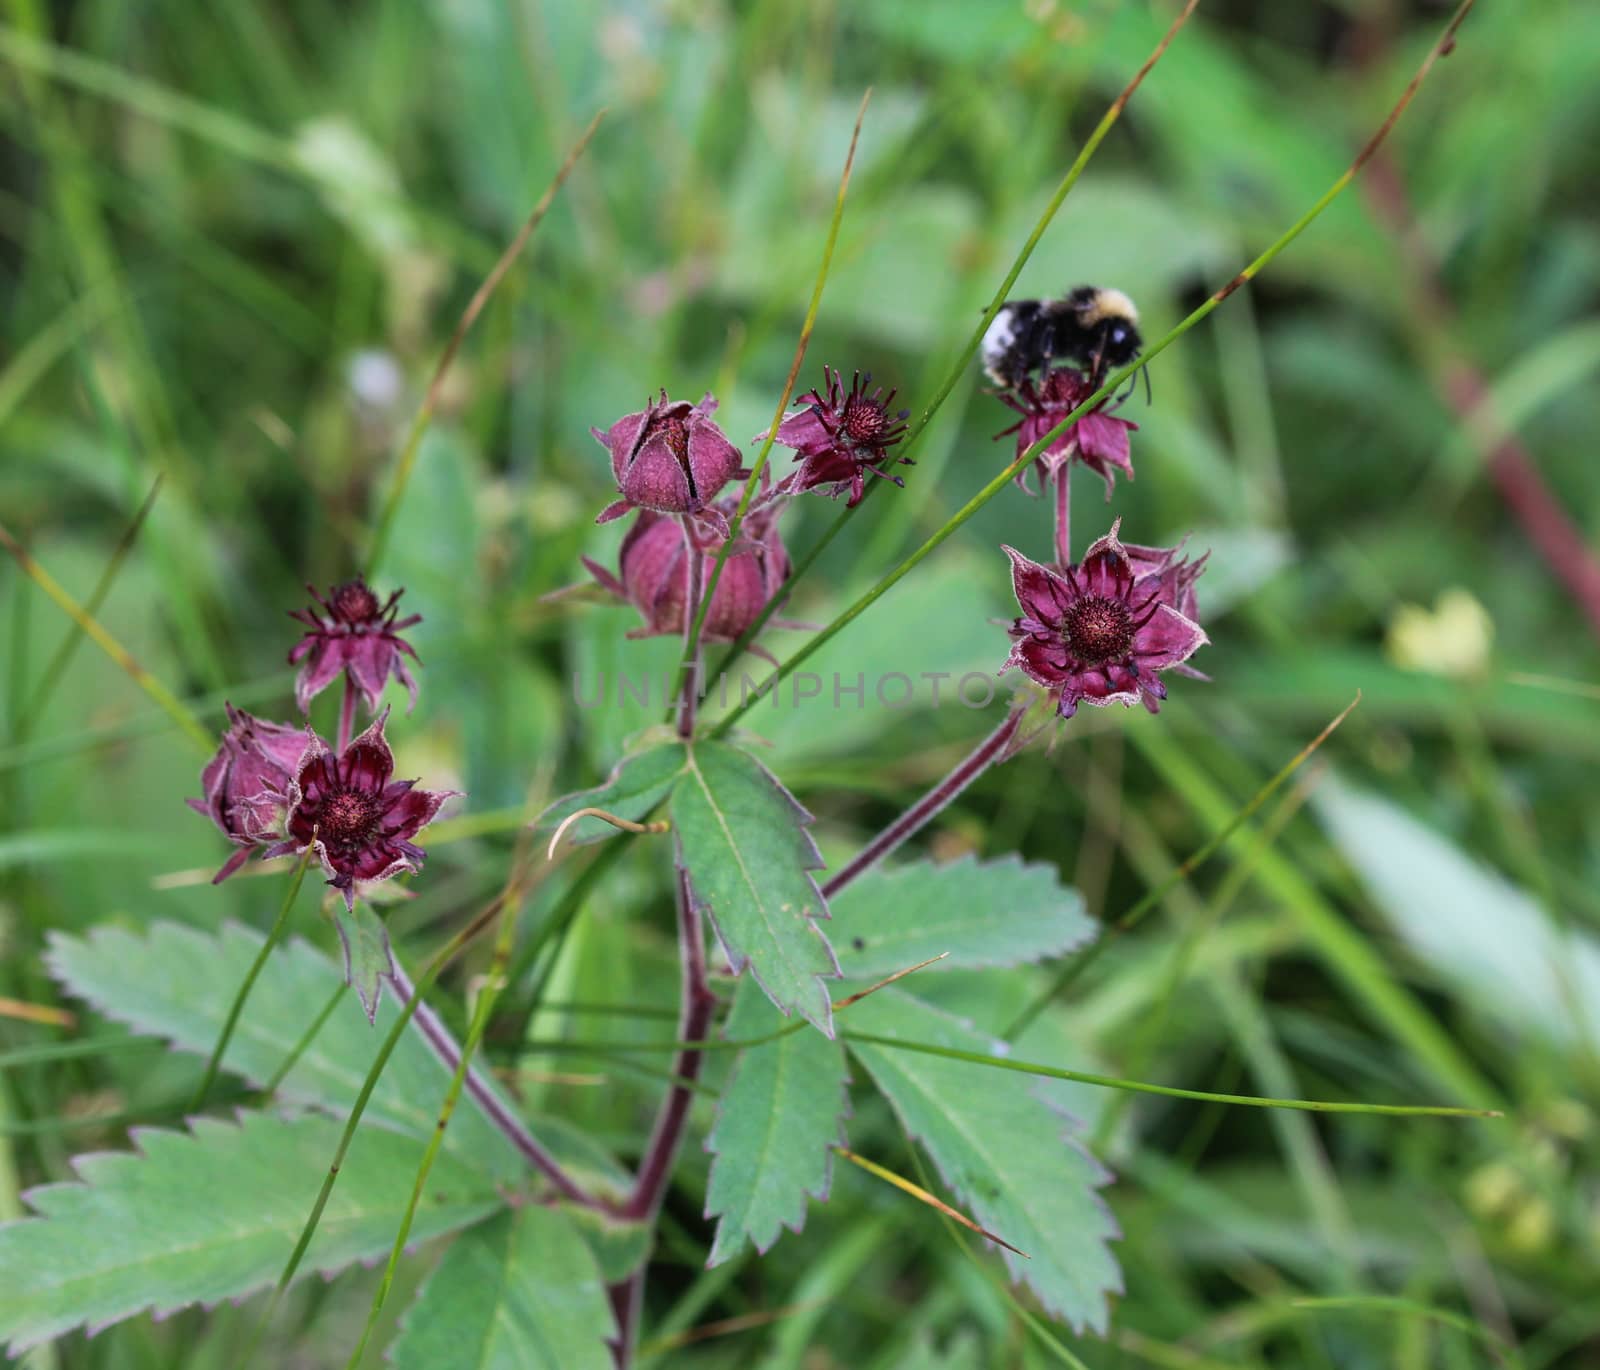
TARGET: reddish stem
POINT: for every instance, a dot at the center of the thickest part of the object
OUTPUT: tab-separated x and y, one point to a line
448	1050
1510	465
693	586
1063	515
992	749
347	712
661	1152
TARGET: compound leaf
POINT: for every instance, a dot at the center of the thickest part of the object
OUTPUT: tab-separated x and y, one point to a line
780	1115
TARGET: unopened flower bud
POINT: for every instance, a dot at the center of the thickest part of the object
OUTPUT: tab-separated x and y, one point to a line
669	458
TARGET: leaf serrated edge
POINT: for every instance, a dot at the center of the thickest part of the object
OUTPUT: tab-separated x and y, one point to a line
1090	934
811	860
844	1113
1099	1177
16	1345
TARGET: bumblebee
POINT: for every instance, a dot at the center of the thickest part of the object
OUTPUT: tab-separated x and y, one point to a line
1091	326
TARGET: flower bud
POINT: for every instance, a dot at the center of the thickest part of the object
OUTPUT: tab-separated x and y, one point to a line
247	783
669	458
654	570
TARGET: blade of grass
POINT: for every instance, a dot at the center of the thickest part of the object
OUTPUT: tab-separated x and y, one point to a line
56	667
1503	1353
469	316
1069	973
1347	952
237	1007
170	704
922	1195
1173	1091
1113	382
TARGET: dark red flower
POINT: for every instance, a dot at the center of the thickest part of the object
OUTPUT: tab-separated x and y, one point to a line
1098	632
840	437
1099	439
247	783
355	632
653	562
670	458
358	821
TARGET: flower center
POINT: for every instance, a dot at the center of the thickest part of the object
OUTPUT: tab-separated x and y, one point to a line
348	821
675	433
863	421
354	602
1098	630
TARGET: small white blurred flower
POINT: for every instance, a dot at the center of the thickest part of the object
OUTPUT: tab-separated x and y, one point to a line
1452	639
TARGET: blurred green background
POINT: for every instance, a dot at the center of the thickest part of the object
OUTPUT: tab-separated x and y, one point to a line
234	239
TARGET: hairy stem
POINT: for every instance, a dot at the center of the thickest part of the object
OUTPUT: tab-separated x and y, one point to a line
347	712
650	1188
1064	515
693	616
990	750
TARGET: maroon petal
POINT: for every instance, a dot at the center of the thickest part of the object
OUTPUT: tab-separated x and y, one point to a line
369	662
367	762
1167	639
615	510
1039	590
1105	568
413	810
327	660
1104	438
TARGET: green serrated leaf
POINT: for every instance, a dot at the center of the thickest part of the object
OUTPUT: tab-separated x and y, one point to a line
641	780
178	984
983	913
742	838
210	1214
781	1113
521	1292
367	958
1002	1150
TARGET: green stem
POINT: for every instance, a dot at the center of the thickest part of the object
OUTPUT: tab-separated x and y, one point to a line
169	702
62	658
306	1039
1172	1091
1069	974
691	644
232	1020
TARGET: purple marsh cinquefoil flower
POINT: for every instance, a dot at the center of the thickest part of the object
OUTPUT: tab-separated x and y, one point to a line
358	822
355	632
247	783
1099	439
669	458
1098	632
840	437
